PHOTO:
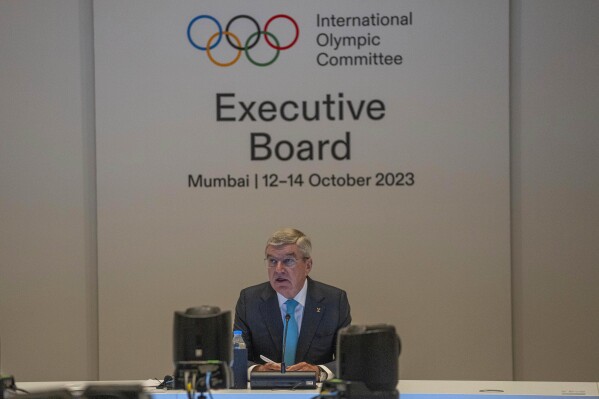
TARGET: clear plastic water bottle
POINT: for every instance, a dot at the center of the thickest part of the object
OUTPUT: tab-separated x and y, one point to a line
240	360
238	342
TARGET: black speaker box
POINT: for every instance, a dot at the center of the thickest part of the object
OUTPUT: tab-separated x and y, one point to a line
370	355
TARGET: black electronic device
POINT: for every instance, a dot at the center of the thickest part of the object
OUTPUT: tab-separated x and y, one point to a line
7	382
202	376
202	349
114	391
367	363
50	394
288	380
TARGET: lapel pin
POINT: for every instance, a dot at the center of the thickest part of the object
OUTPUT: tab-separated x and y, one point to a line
317	310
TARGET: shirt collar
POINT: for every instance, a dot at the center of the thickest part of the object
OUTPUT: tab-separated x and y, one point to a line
300	297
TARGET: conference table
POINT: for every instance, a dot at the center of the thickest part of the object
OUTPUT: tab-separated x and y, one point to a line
409	389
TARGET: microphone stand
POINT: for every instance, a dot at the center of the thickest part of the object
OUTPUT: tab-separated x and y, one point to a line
284	380
283	367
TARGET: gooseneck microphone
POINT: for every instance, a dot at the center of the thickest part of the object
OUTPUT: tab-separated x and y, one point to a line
284	380
283	367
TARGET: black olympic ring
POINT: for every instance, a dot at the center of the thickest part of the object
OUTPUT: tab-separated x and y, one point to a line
257	29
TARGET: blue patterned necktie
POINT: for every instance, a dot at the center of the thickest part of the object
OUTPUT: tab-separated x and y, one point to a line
292	333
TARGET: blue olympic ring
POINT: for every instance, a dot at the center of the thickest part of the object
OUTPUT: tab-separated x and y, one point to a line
220	32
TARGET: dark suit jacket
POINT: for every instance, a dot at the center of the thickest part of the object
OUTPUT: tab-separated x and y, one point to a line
258	316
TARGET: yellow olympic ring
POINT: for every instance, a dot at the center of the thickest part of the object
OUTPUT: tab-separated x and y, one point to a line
219	63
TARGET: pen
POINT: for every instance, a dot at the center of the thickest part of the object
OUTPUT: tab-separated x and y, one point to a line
267	360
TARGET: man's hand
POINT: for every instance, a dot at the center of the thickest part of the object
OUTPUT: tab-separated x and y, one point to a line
268	367
303	366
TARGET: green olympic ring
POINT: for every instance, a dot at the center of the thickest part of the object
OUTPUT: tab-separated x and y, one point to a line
247	52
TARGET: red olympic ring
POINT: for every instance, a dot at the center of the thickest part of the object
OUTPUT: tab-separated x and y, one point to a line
296	32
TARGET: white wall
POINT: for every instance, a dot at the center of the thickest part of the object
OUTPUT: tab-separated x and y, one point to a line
48	266
48	301
555	189
446	120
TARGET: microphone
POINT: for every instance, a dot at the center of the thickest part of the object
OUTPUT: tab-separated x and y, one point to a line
283	367
284	379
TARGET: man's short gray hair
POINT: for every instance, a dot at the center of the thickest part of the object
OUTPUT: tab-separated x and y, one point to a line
288	236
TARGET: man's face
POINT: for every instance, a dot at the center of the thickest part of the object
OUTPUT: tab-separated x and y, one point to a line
287	281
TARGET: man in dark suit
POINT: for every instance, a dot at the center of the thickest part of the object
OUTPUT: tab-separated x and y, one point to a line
320	310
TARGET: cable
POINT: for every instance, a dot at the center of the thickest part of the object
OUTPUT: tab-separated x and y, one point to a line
188	386
166	383
208	377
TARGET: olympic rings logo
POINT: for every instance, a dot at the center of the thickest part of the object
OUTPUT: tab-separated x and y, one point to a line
236	44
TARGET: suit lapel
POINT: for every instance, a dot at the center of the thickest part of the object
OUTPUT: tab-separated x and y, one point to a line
313	313
271	314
